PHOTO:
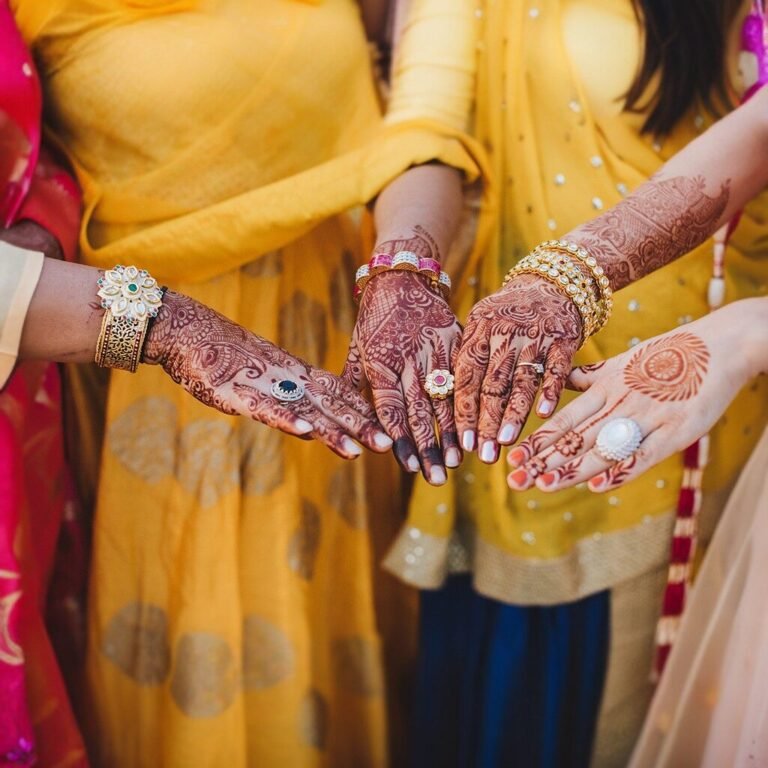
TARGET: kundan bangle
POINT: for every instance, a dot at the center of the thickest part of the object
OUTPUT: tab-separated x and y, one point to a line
402	260
131	298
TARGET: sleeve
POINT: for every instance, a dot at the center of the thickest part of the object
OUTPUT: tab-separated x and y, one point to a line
18	280
435	63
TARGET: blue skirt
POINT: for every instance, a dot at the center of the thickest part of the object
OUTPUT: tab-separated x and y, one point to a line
504	686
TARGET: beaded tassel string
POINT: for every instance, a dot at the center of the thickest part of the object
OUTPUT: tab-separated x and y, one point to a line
754	40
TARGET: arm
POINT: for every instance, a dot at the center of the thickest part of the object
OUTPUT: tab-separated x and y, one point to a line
405	327
675	387
694	194
219	362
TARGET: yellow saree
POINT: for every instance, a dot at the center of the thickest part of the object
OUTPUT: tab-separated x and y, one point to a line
219	143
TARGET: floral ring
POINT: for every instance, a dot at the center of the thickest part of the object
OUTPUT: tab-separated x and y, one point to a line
618	439
439	384
287	391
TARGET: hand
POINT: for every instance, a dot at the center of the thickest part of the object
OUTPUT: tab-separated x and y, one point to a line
227	367
528	321
404	330
674	386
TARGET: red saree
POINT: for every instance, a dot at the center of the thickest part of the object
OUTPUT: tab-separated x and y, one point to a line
37	512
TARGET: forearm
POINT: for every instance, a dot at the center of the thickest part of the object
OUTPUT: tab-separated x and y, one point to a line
420	211
64	316
752	316
687	201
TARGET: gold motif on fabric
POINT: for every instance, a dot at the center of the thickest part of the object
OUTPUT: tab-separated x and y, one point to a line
136	641
357	666
205	677
305	542
268	656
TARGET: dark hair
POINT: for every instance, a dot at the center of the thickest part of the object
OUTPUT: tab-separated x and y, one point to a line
685	44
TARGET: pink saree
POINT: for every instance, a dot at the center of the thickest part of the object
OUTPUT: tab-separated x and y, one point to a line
38	516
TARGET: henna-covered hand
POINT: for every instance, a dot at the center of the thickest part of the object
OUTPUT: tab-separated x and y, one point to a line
404	330
228	368
529	321
674	386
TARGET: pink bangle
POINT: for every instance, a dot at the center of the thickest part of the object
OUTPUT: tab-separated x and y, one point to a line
402	260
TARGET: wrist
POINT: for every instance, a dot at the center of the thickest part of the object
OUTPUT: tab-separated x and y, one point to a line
159	340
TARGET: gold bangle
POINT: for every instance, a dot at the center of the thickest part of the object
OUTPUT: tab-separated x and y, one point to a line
130	298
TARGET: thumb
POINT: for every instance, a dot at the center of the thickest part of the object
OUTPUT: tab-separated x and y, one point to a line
584	376
354	373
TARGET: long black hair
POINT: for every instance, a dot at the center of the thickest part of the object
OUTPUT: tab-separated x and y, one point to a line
685	45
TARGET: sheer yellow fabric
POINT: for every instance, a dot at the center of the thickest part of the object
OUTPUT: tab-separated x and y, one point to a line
219	143
551	75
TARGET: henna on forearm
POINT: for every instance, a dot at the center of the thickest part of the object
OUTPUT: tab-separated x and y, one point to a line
419	242
661	221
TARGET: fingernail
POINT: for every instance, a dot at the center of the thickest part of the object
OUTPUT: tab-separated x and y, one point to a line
596	483
437	476
351	447
547	479
412	464
519	479
516	457
302	427
380	440
507	434
545	407
488	452
452	458
468	440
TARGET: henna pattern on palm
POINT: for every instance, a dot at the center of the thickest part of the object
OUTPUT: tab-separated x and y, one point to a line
404	329
670	368
661	221
228	368
529	320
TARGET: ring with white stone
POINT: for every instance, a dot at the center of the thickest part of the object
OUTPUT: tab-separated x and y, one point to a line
538	367
287	391
439	384
618	439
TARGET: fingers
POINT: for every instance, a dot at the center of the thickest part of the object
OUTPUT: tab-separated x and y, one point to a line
443	409
366	429
556	369
393	415
344	391
581	410
267	410
421	419
581	467
494	394
471	364
328	432
655	448
525	384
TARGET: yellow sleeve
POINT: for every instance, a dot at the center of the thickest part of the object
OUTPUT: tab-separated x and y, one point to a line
19	273
434	69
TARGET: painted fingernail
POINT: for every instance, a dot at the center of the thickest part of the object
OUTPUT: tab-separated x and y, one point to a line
507	434
516	457
545	407
468	440
437	476
488	452
412	464
596	483
452	458
519	479
547	479
380	440
351	447
302	427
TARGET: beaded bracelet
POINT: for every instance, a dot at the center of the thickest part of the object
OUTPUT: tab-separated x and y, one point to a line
601	279
131	298
402	260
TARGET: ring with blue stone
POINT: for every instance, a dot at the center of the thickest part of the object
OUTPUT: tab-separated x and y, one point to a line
287	391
